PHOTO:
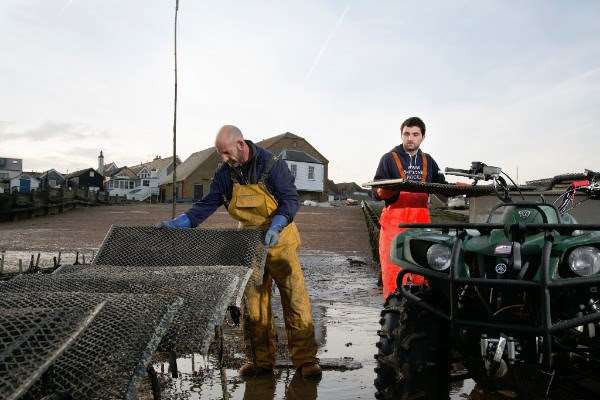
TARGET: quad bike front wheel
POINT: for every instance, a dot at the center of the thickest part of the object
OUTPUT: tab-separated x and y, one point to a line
413	351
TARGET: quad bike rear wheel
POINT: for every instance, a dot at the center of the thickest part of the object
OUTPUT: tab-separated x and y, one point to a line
413	351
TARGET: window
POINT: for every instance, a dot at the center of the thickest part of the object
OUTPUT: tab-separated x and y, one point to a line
311	173
91	174
122	184
52	182
130	184
146	182
294	170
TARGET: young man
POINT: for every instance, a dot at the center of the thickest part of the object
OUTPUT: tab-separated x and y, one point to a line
405	161
258	190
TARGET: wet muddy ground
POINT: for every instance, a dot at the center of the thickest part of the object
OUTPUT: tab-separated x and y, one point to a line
342	282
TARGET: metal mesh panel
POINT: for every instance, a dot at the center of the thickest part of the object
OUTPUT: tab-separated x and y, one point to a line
242	273
31	339
147	245
206	297
111	355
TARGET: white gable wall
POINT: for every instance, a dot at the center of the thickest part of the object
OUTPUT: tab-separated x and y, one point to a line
302	172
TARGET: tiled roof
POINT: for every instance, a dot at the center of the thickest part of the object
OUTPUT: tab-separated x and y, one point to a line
192	163
298	156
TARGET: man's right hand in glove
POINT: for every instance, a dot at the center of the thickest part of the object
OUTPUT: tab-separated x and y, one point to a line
385	194
182	221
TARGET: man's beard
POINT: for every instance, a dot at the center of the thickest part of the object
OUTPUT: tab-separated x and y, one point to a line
236	164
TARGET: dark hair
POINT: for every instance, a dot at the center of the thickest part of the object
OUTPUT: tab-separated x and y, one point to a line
414	121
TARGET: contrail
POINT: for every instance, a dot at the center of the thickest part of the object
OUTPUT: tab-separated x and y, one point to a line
326	43
69	2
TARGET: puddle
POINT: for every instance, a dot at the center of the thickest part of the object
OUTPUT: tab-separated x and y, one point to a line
346	305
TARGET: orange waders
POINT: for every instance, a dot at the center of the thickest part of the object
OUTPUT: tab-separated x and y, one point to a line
408	208
254	207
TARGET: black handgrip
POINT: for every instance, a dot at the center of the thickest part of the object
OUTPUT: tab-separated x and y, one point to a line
592	174
460	171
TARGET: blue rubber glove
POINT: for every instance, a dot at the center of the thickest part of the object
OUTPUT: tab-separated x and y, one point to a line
277	224
182	221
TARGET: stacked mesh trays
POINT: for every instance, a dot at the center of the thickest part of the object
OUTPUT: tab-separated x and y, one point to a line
157	288
106	361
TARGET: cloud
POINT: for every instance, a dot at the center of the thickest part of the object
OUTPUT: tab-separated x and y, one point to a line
49	130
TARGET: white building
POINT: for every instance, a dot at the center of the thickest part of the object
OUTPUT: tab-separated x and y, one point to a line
308	172
24	183
150	176
9	168
120	182
138	182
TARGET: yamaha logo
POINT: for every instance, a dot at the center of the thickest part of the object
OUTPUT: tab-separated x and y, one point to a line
524	214
501	268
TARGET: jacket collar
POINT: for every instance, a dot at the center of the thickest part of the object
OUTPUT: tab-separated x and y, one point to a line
400	150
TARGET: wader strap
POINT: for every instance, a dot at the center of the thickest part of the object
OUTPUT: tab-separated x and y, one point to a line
267	170
398	164
424	166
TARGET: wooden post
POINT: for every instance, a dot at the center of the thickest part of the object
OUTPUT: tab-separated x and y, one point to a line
175	118
2	262
20	266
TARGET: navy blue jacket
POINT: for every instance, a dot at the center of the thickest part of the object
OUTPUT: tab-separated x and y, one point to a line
280	184
387	168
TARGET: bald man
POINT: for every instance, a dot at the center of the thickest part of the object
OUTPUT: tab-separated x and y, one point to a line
258	190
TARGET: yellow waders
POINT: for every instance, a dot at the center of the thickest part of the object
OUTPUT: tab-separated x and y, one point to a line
254	207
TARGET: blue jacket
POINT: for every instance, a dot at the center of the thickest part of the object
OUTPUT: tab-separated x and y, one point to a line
387	168
280	184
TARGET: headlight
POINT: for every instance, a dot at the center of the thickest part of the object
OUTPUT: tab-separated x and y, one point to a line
438	257
584	261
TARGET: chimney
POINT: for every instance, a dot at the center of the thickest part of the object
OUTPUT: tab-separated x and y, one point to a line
101	163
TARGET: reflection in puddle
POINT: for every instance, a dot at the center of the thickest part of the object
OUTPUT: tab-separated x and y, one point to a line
346	308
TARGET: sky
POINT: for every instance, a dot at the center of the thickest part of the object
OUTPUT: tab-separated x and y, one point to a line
514	84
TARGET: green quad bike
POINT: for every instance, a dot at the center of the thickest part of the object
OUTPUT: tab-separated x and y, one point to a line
515	302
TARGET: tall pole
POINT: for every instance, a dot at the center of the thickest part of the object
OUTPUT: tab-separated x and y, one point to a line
175	119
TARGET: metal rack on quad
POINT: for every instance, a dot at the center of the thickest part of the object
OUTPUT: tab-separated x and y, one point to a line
515	301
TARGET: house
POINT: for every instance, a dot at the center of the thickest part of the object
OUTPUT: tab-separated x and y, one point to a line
120	182
25	182
311	169
289	141
192	176
9	168
51	179
352	190
150	176
87	178
308	173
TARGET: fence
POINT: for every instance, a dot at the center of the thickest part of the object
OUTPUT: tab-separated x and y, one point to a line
372	219
52	201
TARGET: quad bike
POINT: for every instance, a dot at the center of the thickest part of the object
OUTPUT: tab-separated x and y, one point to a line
515	301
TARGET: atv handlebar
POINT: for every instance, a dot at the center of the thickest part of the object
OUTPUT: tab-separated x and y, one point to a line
592	175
